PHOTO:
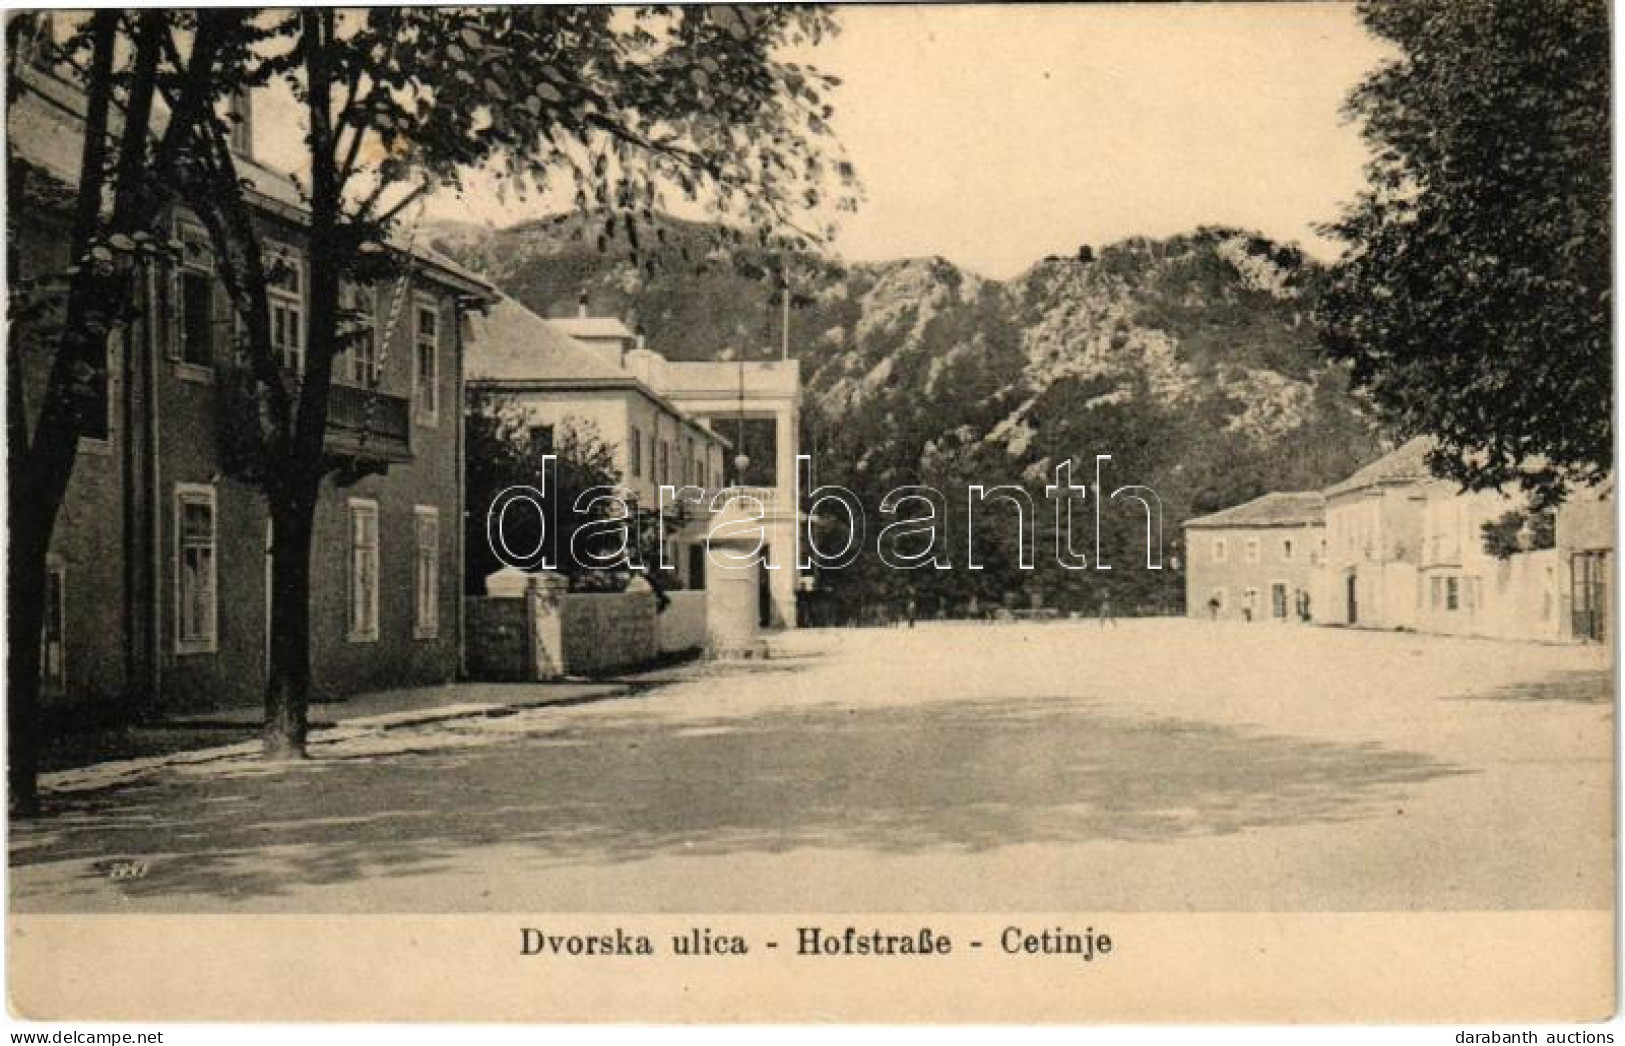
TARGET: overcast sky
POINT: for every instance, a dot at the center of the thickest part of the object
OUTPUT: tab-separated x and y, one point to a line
995	135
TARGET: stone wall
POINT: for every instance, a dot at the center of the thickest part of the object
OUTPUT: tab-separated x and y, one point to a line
607	632
496	631
682	625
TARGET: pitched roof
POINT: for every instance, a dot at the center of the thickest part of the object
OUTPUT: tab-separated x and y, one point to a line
1407	464
1296	508
45	124
512	344
592	326
513	348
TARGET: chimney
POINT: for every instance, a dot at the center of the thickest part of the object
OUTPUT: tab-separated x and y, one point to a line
581	303
240	113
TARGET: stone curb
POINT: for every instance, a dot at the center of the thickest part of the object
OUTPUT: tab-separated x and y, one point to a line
99	776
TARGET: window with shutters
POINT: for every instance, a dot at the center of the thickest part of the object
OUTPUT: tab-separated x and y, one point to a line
194	319
285	276
196	595
426	621
426	361
363	570
363	367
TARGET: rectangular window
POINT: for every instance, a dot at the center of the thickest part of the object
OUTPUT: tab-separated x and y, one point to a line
426	359
1452	593
196	595
1286	549
635	455
285	275
361	328
426	622
96	423
193	298
197	318
664	468
1252	550
363	570
1218	550
53	646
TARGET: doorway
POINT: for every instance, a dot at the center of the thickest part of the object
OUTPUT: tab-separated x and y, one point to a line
1588	572
1353	600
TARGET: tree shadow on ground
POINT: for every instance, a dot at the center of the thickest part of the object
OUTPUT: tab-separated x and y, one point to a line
1582	686
967	776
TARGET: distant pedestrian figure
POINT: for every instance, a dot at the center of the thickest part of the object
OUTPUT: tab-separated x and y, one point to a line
912	608
1106	611
1213	608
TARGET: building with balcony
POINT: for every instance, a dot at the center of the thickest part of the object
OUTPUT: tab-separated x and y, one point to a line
757	405
158	592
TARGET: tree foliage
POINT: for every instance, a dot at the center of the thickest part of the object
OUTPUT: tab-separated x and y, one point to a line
1474	299
1519	531
506	450
626	108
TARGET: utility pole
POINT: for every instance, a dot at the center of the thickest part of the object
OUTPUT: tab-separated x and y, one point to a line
784	322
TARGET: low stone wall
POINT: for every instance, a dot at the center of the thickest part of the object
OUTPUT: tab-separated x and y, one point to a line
535	630
681	626
496	634
603	633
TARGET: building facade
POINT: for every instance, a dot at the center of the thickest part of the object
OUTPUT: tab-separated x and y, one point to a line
758	404
1586	565
1402	549
158	593
604	384
1259	561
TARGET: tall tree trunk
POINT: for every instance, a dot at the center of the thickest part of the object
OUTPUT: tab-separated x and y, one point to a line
287	694
41	470
295	492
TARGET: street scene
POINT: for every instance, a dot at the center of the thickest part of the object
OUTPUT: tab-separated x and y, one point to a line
1162	766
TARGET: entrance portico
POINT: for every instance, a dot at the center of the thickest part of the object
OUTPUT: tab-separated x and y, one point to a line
736	397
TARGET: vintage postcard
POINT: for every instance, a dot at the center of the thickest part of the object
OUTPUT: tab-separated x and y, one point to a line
1070	513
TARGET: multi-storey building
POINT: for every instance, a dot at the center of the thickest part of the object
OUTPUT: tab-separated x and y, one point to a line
602	383
158	591
711	425
1259	561
1402	549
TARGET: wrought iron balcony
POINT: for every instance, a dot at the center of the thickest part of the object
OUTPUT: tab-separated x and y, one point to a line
368	424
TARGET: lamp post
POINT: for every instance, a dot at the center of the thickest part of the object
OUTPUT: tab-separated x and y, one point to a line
741	459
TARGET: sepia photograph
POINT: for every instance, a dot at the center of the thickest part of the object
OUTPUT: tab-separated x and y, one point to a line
940	513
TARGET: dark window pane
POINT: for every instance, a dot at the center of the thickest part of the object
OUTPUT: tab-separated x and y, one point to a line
197	319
